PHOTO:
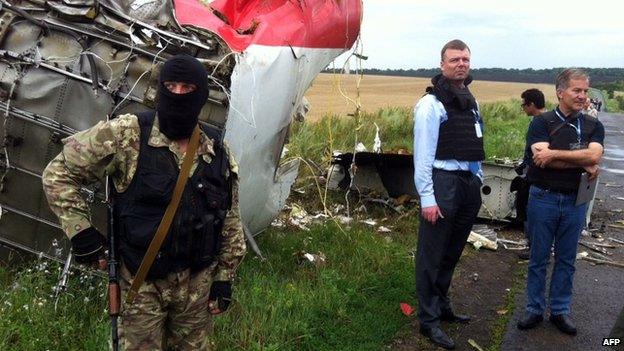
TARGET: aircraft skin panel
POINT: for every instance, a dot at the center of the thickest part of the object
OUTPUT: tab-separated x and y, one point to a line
310	24
262	55
267	85
282	46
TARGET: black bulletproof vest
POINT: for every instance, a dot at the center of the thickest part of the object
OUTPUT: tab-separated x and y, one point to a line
457	138
561	136
194	236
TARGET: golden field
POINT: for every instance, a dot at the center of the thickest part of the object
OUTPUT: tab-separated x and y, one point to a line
384	91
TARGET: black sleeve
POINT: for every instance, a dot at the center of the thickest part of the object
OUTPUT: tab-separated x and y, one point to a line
598	135
538	132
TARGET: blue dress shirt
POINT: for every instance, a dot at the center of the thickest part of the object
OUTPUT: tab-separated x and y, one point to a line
428	114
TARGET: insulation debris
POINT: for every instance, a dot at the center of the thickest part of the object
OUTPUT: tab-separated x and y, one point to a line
370	222
479	241
306	257
475	345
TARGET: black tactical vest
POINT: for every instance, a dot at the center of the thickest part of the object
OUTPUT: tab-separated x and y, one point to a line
194	236
561	137
457	138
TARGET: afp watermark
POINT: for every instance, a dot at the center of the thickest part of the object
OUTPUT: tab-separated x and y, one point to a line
611	341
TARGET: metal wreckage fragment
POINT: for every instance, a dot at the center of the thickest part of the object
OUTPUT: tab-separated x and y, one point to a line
66	65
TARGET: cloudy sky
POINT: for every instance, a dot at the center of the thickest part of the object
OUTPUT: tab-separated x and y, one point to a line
508	34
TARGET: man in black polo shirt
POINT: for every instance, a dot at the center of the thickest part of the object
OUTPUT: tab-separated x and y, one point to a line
564	144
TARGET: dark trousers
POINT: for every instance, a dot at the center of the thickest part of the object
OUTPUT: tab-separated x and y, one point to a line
458	195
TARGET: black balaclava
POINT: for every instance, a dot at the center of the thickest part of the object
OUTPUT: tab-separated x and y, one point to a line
178	113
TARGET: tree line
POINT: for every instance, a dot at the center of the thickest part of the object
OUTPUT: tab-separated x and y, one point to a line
528	75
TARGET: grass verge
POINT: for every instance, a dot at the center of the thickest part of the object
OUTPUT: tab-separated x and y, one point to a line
351	302
348	303
499	328
504	137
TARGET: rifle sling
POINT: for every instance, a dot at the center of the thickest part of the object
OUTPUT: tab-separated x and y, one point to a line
165	223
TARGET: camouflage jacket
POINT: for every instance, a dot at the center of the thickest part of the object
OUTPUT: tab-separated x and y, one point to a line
112	148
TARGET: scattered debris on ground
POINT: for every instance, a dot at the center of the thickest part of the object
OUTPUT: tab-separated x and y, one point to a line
318	259
480	241
474	344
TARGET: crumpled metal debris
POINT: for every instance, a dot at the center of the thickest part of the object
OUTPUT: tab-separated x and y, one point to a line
370	222
584	255
299	217
475	345
338	208
383	229
344	219
485	231
277	223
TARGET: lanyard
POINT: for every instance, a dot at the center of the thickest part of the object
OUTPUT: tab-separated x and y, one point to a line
476	115
577	127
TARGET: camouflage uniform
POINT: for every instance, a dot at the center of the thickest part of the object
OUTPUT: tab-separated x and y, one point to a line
113	148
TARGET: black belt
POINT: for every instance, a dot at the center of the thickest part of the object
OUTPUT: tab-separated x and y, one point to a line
557	190
457	172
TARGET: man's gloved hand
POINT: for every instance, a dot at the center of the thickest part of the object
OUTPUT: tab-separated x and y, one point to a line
88	246
220	297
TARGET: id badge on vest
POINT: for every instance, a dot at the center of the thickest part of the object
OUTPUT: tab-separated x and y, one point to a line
478	130
578	146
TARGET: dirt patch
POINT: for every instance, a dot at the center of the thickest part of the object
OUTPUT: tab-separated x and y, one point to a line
482	286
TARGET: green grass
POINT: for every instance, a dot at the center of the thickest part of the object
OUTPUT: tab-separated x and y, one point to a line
499	329
30	322
316	141
349	303
504	137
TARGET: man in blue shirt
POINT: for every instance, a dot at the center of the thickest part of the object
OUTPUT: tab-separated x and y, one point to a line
564	144
448	150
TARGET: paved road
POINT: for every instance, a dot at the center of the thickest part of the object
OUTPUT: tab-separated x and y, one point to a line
598	290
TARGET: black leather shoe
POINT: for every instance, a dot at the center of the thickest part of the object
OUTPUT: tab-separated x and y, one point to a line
564	323
451	317
530	321
438	337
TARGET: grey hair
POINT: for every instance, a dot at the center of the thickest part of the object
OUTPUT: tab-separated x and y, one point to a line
563	79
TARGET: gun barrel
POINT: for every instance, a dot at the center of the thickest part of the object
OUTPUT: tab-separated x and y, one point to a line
114	336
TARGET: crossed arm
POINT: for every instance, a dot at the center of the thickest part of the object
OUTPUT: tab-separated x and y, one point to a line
588	158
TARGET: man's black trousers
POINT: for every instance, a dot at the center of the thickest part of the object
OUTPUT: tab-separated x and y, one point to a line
458	194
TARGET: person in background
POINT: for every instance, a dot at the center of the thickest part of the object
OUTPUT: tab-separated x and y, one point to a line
533	104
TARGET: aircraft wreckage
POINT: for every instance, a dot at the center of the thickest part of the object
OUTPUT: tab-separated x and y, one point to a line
65	65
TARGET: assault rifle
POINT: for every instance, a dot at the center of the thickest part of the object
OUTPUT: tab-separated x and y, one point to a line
114	298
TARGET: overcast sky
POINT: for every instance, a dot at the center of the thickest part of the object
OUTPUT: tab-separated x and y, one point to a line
508	34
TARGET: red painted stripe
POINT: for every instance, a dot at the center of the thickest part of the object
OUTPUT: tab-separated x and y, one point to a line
333	24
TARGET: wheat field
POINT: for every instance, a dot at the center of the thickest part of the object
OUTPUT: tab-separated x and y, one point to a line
383	91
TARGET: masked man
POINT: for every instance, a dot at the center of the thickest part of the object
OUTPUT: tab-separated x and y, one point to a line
191	277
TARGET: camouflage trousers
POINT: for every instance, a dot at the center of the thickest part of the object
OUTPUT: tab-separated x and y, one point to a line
167	314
